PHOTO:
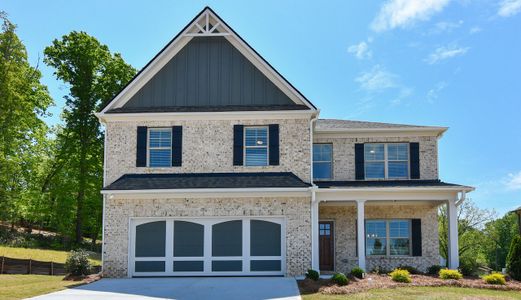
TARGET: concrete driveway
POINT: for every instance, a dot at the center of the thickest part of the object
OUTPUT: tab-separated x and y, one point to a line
183	288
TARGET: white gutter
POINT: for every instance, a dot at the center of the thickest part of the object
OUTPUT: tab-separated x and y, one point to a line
396	189
401	129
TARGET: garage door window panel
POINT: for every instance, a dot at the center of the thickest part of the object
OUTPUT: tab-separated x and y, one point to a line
150	239
188	239
227	239
265	238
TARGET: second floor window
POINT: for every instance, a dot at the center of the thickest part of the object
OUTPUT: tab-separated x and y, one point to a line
160	147
322	161
386	161
256	146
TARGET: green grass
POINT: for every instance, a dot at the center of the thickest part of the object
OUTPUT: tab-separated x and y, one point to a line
24	286
42	255
427	293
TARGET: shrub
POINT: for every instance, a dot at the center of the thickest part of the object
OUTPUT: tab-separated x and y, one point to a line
77	263
411	269
400	275
514	258
340	279
434	269
357	272
450	274
495	278
379	270
312	274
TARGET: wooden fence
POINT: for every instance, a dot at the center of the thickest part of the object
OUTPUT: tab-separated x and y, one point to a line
29	266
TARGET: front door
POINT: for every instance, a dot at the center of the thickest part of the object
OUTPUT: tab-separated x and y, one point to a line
326	242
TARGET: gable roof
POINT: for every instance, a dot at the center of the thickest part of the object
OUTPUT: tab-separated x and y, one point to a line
206	24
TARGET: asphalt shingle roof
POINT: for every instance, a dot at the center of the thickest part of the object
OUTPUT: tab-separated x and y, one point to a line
207	181
324	124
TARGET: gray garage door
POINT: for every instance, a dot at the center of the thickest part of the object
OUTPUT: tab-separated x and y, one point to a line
207	246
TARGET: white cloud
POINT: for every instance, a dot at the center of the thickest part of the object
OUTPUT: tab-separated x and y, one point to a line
513	181
509	8
445	52
376	79
360	50
434	93
475	29
446	26
403	13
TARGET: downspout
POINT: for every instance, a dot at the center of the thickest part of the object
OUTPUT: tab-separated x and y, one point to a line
104	196
314	204
462	197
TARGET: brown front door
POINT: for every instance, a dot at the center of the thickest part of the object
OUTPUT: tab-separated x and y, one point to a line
326	242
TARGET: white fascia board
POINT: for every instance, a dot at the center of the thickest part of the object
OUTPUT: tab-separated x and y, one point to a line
380	132
222	115
391	194
209	193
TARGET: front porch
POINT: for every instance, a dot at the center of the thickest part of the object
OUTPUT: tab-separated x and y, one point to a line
382	228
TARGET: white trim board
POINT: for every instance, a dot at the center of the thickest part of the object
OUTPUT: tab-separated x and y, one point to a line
181	40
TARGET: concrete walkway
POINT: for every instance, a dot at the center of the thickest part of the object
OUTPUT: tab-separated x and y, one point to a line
183	288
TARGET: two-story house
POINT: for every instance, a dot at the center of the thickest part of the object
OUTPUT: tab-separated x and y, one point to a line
216	165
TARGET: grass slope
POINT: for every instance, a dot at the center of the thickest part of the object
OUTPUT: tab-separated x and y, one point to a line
42	255
24	286
426	293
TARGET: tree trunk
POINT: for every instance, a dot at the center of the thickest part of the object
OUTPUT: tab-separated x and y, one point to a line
81	191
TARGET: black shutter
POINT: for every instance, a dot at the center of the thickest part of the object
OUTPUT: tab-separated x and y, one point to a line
177	146
416	236
414	153
141	149
238	138
359	162
274	144
356	237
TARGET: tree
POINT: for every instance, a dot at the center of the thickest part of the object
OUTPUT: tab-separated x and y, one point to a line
23	137
471	221
94	76
499	234
514	258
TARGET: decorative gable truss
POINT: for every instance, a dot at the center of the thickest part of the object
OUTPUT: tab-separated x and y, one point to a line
206	24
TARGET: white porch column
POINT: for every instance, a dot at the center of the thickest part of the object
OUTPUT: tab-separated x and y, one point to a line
360	210
315	260
452	215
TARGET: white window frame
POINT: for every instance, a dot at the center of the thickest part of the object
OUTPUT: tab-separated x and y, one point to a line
324	161
388	237
386	162
159	148
252	147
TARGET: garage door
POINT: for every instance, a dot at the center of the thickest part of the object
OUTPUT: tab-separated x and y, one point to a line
209	246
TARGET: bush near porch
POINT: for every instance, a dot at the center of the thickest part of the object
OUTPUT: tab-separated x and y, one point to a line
383	281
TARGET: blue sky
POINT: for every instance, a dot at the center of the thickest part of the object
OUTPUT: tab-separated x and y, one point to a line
435	62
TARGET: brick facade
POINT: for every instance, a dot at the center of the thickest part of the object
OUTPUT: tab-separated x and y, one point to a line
208	147
344	154
296	210
344	218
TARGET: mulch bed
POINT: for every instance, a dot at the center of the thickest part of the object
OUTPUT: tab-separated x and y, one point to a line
83	279
374	281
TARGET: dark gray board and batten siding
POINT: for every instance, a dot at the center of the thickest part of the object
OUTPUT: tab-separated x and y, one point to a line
209	71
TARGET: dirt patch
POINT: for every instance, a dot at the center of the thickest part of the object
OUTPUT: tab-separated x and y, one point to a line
374	281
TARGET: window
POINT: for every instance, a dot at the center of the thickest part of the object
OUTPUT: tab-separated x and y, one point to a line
386	161
322	161
388	237
160	147
256	146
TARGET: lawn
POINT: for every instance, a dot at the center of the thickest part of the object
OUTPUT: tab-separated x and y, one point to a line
42	255
445	293
23	286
